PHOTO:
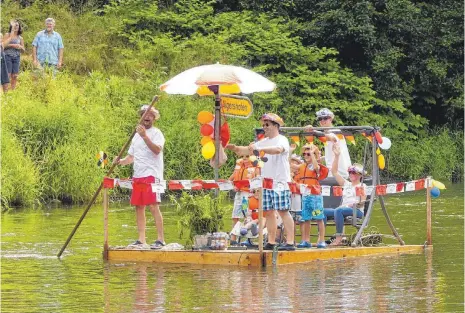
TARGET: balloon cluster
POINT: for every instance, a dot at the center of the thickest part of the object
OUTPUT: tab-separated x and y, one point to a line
258	158
383	143
207	120
435	191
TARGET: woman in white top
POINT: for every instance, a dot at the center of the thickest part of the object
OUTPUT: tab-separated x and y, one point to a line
349	198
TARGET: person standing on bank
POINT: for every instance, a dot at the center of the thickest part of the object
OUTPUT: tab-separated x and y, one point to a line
146	152
47	47
325	117
14	45
4	80
276	149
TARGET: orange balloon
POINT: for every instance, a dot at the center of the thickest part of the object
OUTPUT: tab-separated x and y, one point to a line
205	139
206	130
205	117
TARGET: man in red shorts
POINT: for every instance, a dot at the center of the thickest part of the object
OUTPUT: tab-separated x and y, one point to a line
146	152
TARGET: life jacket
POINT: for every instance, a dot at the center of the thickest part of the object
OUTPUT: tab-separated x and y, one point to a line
310	177
243	172
253	206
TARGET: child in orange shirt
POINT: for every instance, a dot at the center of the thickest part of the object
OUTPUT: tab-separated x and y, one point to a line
309	174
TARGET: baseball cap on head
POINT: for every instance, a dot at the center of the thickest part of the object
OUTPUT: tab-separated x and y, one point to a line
357	168
324	113
272	117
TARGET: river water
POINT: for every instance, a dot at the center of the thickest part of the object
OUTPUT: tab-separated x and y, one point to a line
34	280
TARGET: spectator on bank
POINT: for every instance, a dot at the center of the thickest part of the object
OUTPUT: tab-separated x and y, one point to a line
4	80
13	46
47	47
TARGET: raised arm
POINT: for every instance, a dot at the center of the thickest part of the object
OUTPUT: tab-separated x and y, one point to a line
314	160
239	150
334	168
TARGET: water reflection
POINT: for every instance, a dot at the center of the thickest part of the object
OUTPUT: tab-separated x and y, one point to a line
33	280
368	284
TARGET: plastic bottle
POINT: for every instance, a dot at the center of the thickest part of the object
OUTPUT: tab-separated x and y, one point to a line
244	205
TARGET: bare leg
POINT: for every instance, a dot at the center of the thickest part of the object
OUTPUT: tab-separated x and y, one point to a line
288	226
321	231
156	213
140	218
271	225
13	80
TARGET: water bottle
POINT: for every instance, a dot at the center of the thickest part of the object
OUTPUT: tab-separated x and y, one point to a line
244	205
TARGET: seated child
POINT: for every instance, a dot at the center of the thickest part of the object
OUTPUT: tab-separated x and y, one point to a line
350	200
244	170
309	174
249	227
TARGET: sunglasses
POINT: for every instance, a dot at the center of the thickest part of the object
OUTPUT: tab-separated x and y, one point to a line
354	173
306	154
323	118
267	124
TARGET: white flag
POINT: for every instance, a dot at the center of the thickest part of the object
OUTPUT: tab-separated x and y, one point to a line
326	191
410	186
391	188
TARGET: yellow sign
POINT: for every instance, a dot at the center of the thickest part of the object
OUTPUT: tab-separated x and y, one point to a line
236	106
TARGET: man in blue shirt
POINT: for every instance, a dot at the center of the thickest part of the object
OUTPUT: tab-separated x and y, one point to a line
47	47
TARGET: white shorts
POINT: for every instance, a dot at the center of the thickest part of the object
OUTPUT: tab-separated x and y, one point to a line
296	202
237	209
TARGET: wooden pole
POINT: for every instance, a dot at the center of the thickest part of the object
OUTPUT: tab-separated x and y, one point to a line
260	225
155	99
429	240
105	223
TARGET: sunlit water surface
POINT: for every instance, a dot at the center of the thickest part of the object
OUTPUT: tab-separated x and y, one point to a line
34	280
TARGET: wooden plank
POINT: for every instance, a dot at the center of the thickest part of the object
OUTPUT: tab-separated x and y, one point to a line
252	258
105	224
429	238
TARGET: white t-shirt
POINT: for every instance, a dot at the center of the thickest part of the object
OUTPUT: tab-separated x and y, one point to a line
344	158
349	196
147	163
277	167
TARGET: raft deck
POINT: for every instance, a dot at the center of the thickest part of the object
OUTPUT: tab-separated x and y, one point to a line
253	257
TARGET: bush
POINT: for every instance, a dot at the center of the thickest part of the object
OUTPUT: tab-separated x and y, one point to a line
199	214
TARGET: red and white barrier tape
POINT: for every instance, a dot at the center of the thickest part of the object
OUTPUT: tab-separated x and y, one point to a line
266	183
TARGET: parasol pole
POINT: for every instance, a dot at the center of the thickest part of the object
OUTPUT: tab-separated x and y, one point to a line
215	90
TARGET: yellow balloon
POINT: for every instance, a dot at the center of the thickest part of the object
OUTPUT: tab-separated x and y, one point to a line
438	184
205	139
378	152
205	117
381	162
208	150
261	164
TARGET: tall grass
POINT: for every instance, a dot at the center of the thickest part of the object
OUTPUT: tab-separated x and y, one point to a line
53	128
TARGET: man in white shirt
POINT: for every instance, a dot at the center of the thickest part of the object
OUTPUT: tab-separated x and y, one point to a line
325	118
146	152
276	167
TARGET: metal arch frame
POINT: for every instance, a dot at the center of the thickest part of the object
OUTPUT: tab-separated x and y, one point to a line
375	174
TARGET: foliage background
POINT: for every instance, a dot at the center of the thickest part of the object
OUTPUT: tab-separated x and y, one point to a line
396	64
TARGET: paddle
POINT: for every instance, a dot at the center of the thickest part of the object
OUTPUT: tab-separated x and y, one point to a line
155	99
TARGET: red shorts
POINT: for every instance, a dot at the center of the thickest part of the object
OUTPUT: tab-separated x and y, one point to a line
142	191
